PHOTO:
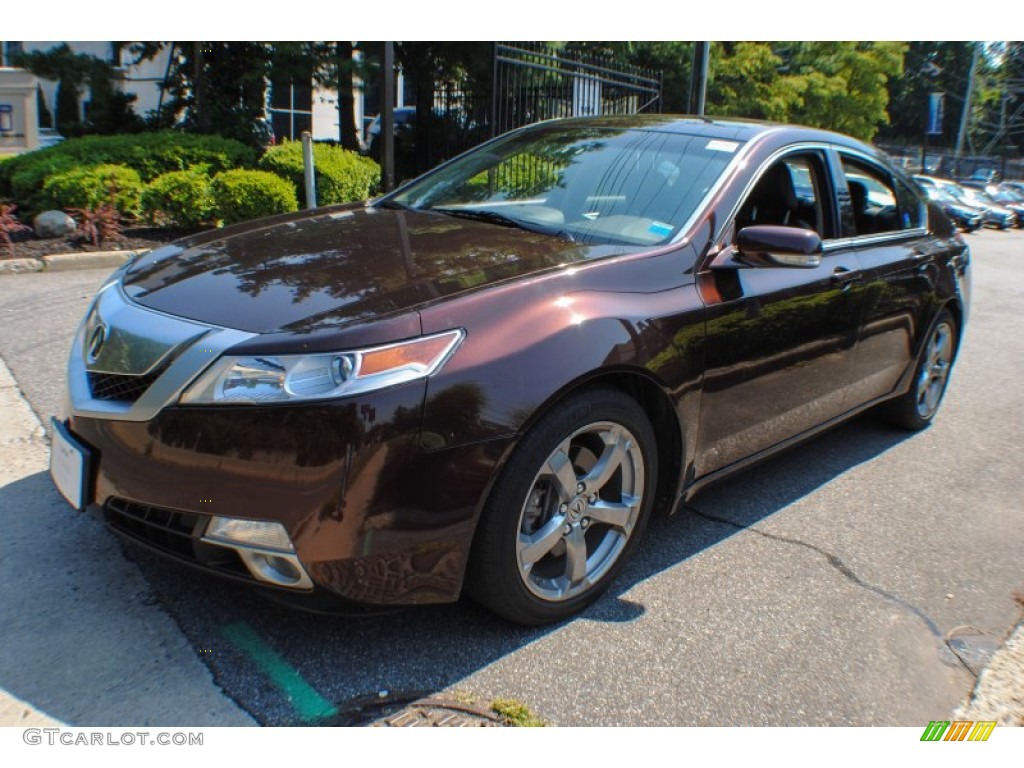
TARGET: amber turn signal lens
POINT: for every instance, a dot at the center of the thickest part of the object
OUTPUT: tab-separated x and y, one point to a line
420	354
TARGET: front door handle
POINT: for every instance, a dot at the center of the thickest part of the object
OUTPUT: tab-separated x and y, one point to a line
845	277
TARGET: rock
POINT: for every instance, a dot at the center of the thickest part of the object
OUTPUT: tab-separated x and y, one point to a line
51	224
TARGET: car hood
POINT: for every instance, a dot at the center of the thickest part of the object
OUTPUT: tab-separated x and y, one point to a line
964	210
338	266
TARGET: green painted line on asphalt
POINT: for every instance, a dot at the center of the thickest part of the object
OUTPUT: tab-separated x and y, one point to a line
309	704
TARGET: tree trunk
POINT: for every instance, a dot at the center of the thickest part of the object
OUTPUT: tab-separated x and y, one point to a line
68	108
346	100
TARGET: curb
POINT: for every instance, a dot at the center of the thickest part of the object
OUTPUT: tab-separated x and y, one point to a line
999	692
16	266
65	262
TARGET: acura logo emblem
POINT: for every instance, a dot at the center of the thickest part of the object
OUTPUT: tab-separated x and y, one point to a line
96	341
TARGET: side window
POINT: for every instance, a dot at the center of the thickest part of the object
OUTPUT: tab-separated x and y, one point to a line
912	209
874	200
790	193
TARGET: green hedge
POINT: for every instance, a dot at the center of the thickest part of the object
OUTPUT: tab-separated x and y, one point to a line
243	195
180	198
90	187
342	176
150	154
27	180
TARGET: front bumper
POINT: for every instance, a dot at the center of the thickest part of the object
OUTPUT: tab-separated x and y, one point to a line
1000	220
373	517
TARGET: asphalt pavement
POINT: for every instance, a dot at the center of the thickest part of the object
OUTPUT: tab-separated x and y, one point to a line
861	579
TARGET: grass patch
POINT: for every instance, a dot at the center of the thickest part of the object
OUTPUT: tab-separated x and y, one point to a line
516	713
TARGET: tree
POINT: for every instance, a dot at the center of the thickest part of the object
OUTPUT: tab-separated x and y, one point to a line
430	63
217	87
929	66
110	110
999	108
840	86
744	80
70	70
843	85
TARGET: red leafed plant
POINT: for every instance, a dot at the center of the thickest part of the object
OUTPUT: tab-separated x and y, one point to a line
96	225
9	224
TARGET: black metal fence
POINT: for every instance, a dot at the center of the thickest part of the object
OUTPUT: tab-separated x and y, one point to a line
942	162
533	82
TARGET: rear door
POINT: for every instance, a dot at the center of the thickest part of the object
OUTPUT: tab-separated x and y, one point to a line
886	221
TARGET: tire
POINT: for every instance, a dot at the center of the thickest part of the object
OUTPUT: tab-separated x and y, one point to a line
916	409
545	549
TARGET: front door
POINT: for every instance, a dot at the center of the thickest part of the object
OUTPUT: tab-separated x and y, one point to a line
780	340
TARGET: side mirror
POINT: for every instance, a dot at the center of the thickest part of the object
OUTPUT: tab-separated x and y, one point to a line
765	245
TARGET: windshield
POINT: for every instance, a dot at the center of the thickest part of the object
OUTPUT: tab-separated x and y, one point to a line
940	195
590	184
1005	196
977	196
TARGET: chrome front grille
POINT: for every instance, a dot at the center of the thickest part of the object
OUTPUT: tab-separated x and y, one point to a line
128	362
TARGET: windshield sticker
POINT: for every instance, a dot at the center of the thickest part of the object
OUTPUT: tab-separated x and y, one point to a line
717	145
660	228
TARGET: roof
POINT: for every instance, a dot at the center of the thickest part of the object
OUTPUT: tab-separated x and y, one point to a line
735	129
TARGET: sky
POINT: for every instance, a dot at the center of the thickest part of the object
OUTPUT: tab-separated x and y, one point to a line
519	20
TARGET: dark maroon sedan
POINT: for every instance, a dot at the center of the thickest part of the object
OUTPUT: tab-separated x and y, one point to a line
486	381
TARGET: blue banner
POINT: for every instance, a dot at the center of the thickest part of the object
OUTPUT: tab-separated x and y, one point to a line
936	108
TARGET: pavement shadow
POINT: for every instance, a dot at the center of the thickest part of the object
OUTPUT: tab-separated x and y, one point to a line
82	637
308	669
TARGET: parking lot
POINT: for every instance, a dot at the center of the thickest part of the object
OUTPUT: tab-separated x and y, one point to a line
856	580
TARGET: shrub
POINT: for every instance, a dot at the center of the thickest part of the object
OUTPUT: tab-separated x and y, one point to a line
342	176
522	175
150	154
26	183
243	195
97	225
91	187
9	224
182	198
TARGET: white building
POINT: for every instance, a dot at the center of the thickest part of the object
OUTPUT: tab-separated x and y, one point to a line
292	108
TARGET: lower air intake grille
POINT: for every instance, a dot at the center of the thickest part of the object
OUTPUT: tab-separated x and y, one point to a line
173	533
120	387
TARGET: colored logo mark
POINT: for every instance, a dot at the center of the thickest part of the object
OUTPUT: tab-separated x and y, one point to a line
958	730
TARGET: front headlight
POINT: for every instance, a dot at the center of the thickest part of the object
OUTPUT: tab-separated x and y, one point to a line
291	378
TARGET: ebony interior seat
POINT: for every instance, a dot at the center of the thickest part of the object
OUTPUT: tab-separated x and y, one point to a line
774	201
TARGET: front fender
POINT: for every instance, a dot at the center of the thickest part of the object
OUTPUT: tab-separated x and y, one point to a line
528	343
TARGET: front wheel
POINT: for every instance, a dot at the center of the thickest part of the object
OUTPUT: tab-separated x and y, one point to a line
567	509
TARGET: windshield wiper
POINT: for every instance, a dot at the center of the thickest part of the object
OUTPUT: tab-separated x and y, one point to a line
494	217
393	204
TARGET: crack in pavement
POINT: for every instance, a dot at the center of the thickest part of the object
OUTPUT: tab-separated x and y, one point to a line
946	653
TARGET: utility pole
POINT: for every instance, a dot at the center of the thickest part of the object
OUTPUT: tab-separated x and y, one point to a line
965	115
699	77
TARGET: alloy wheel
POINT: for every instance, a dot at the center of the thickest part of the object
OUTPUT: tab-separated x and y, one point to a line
580	512
935	370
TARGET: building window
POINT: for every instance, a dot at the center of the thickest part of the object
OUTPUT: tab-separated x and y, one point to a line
291	107
10	50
